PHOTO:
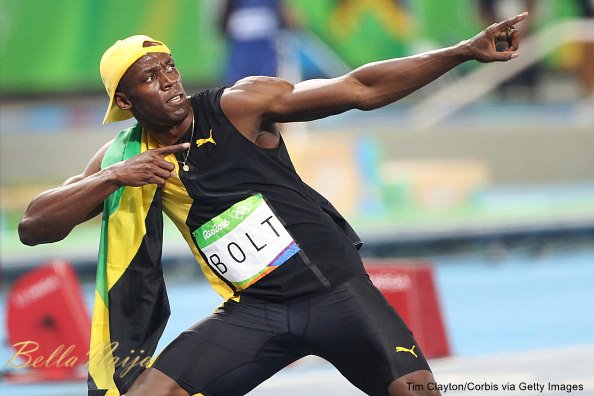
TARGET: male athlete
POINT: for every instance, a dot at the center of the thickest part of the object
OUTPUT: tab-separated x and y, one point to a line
284	259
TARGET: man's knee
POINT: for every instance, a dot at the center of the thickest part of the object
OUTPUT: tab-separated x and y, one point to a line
155	383
417	383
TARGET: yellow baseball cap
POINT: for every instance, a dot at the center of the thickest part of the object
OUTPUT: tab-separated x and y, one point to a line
114	63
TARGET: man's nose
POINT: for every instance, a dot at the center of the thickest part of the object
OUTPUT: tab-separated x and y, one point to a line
168	79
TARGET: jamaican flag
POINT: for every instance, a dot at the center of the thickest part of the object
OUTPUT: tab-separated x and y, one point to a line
131	305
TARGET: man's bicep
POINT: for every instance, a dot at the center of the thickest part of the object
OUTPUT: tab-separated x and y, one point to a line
281	101
314	99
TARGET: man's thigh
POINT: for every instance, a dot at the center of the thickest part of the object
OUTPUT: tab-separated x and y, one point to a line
360	333
231	351
155	383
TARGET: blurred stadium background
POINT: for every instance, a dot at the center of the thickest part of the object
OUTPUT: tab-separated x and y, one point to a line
487	173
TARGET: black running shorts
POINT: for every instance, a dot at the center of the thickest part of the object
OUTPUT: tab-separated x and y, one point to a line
243	343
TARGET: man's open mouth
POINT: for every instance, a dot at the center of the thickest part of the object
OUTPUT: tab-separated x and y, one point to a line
177	98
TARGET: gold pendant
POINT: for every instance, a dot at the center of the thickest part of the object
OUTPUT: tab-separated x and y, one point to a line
186	167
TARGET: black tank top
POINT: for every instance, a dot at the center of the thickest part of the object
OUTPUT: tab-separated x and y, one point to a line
228	173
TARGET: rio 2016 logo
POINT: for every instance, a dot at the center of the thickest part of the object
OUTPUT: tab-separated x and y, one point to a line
215	229
241	211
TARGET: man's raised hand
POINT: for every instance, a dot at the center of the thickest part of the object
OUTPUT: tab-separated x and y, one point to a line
484	46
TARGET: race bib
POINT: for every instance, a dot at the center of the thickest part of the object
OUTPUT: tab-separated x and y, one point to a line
246	242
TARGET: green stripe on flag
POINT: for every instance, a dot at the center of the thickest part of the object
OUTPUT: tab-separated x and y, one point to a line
126	145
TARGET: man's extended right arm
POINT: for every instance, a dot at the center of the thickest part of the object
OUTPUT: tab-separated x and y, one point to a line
54	213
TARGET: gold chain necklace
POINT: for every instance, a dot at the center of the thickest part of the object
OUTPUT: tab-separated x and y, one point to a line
185	166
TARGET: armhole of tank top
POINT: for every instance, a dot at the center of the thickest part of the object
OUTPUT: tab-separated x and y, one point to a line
216	103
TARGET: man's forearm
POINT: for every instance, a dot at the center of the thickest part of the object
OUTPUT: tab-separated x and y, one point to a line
390	80
52	215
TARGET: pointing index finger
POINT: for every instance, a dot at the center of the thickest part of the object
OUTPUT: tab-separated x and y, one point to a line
511	21
173	148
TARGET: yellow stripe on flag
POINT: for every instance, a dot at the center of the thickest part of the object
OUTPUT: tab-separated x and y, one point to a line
101	364
126	224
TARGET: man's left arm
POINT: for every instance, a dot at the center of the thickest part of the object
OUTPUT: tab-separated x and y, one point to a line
369	87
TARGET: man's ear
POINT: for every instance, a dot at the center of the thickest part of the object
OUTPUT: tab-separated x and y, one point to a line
122	101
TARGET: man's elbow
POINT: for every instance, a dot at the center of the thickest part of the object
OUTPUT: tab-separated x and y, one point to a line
26	232
32	234
371	99
369	103
368	98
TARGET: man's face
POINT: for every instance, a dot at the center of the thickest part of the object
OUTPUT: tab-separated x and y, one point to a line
153	90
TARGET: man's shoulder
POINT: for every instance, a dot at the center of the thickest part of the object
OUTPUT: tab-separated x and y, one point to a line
208	93
208	100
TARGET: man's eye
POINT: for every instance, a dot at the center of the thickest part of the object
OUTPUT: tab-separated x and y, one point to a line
150	78
170	68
